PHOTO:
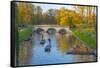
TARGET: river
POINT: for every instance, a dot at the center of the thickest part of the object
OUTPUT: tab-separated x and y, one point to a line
34	53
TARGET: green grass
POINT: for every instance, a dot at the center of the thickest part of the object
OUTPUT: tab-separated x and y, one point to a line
24	33
86	37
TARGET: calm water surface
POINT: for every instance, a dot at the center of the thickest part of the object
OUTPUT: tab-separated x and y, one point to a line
33	53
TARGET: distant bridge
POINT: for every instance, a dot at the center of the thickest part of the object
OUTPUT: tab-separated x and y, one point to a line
56	27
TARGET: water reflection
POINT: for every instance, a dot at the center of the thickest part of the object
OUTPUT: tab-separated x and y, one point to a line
48	46
54	50
84	58
24	52
62	43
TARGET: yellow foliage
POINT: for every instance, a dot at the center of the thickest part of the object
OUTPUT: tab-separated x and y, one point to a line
25	11
63	44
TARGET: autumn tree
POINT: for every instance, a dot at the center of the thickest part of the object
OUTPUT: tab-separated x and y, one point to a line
81	12
26	12
87	15
91	15
62	17
66	17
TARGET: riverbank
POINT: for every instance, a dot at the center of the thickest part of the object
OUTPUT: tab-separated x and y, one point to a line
25	33
87	37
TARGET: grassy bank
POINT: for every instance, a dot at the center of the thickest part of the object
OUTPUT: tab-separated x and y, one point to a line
24	33
87	38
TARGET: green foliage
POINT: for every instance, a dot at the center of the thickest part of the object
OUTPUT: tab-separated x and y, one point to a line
51	30
86	37
25	33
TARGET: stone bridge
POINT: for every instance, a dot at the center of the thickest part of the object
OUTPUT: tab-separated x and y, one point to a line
56	27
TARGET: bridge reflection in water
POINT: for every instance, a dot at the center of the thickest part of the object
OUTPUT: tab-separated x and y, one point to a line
34	53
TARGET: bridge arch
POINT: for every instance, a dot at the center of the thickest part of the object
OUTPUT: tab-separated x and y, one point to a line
51	31
39	30
62	31
55	28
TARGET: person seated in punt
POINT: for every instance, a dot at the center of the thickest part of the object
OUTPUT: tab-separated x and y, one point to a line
48	47
42	41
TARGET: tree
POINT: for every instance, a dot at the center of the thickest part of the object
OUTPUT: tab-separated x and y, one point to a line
62	17
51	16
87	15
38	15
81	11
26	12
91	15
66	17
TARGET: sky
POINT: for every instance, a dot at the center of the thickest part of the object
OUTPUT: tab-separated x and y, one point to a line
45	7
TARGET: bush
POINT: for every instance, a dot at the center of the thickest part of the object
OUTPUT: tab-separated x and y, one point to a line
25	33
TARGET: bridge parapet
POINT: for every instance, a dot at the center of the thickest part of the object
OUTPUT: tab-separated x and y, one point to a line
56	27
